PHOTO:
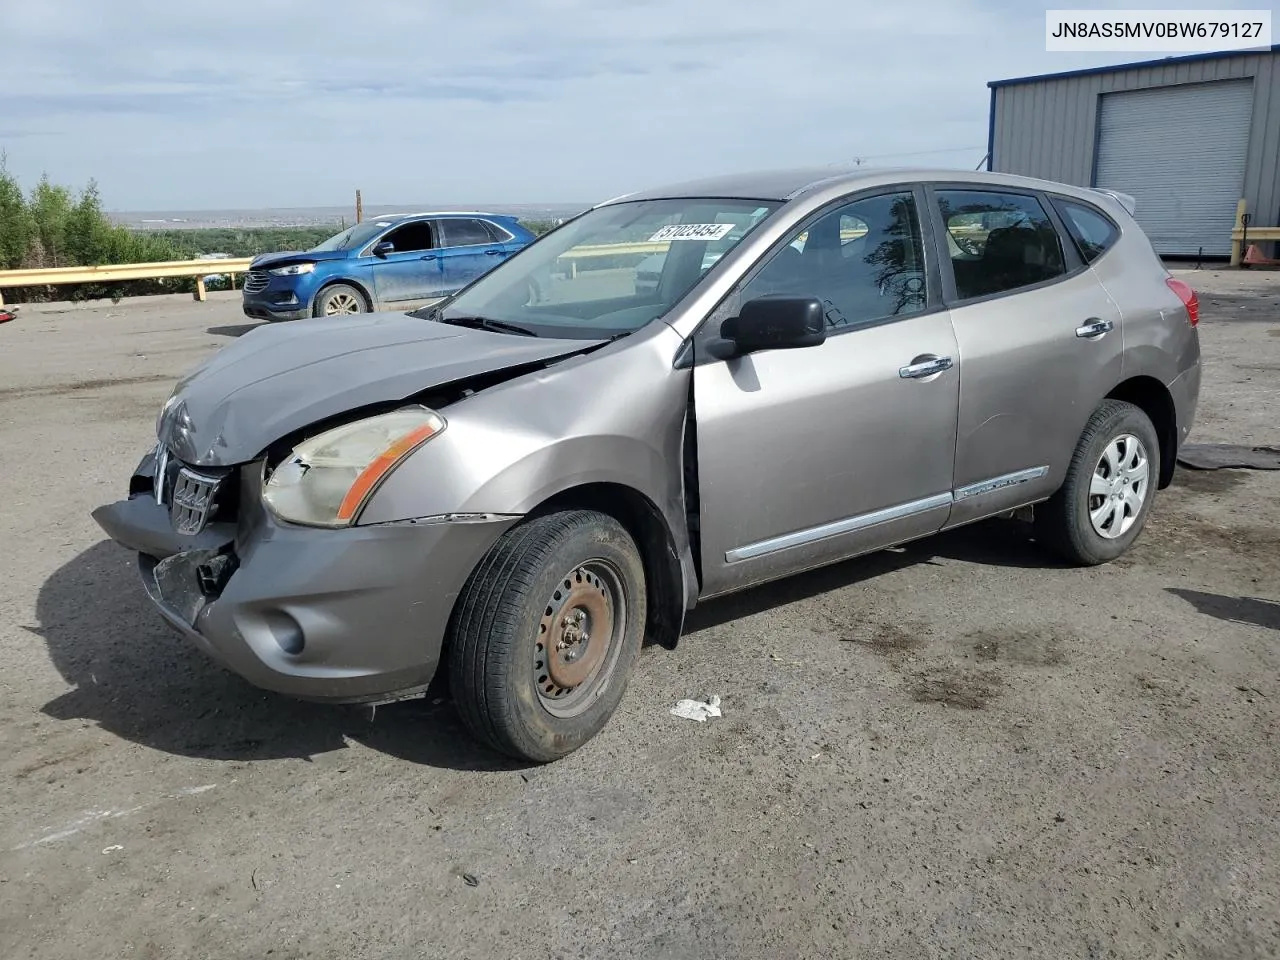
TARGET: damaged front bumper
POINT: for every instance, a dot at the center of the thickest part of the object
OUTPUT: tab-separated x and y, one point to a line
348	615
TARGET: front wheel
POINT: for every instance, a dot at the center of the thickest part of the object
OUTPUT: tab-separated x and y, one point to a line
545	633
339	300
1104	501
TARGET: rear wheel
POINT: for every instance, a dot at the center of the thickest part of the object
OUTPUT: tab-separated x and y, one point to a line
545	633
1104	501
339	300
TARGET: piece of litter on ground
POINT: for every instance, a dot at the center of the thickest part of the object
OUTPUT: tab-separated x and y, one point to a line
815	756
777	659
697	710
113	847
471	880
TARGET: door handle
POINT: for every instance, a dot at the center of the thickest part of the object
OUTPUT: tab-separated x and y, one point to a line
495	253
431	256
1094	329
922	367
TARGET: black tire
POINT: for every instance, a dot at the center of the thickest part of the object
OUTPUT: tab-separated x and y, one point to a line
496	634
1064	525
339	293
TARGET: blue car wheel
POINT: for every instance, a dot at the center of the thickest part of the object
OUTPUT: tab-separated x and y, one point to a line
339	300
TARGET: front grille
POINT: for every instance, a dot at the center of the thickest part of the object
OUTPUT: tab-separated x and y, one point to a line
192	500
192	497
255	281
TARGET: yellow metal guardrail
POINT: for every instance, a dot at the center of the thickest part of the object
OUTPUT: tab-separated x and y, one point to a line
56	276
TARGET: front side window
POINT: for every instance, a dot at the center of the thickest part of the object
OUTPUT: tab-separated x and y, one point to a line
611	270
464	233
1093	232
864	261
411	237
998	241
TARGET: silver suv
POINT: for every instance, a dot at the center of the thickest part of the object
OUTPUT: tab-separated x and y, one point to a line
525	488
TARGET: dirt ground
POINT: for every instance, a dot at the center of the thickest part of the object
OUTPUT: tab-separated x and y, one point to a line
952	750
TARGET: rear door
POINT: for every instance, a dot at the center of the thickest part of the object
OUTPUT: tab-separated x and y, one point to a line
469	250
809	455
414	271
1041	342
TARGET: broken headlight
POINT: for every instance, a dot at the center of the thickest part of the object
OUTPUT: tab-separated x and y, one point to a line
327	479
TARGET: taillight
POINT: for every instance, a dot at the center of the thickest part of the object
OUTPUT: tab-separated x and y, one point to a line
1188	298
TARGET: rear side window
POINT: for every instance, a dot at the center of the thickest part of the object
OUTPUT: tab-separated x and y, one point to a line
998	242
1093	231
496	233
464	233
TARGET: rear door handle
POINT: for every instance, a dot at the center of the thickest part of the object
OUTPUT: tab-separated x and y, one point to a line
1094	328
495	253
432	256
922	367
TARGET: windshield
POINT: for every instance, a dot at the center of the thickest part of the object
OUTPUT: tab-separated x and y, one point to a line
354	237
610	271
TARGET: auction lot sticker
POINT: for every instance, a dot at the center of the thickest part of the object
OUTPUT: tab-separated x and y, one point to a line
692	231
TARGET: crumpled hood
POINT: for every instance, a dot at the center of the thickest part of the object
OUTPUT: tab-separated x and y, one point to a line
264	261
278	378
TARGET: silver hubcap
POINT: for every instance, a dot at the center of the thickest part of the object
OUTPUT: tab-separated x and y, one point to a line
341	303
1118	488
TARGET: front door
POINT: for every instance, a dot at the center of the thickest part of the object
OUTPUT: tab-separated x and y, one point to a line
469	251
413	271
809	455
1041	341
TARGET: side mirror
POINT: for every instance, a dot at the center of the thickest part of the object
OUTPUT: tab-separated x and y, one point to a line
773	323
384	248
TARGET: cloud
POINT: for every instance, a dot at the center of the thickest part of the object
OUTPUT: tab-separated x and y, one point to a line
298	102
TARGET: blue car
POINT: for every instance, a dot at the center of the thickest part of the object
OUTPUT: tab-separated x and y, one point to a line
386	263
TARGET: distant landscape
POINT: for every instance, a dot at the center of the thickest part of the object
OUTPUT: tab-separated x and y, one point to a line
51	226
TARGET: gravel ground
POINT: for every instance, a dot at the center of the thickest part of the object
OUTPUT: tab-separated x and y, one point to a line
955	749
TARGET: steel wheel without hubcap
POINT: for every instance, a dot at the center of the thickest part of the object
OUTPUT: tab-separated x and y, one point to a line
1118	488
340	304
577	645
543	637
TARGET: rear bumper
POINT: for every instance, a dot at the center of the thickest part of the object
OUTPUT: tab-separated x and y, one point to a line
1185	391
351	615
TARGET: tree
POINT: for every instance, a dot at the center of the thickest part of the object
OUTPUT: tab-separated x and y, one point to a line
16	227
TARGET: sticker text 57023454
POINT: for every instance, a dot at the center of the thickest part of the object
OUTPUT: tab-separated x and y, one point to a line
692	231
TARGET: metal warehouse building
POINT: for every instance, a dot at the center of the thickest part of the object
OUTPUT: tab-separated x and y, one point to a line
1188	137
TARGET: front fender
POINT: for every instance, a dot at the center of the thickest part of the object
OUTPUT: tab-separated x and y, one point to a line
613	416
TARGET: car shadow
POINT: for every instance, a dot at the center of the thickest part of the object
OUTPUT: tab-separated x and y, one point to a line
133	677
233	329
998	543
1249	610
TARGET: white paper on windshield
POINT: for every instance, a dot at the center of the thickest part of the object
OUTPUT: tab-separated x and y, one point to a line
692	231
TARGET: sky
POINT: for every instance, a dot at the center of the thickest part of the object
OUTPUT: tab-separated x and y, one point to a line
280	103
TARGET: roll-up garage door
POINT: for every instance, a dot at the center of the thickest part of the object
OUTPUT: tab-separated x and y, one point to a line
1180	152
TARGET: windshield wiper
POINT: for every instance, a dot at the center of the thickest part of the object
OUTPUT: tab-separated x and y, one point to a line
487	323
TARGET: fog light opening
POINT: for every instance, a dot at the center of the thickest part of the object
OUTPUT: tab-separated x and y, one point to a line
286	632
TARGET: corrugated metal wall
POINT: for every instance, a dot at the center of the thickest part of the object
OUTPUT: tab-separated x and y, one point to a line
1048	128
